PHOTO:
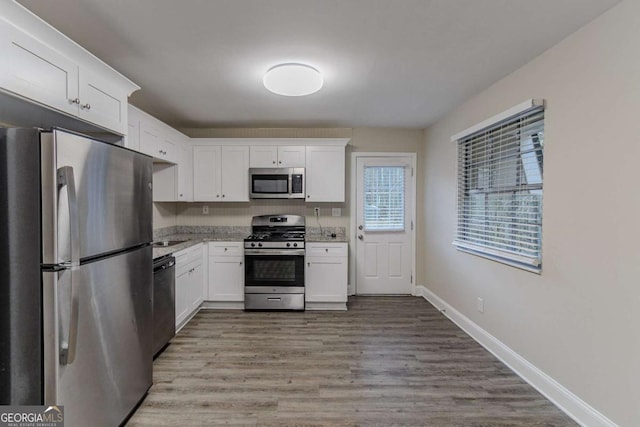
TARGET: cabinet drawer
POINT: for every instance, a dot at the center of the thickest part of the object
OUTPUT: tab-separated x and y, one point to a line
189	267
188	255
327	249
226	249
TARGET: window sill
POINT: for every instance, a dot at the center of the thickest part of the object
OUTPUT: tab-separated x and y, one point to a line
521	266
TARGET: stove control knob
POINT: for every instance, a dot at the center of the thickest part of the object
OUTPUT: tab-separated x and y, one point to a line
295	245
260	245
253	245
288	244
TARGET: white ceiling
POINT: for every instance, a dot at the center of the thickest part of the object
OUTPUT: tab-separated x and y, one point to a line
395	63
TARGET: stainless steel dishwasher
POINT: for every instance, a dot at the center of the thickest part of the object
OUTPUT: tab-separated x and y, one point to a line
164	305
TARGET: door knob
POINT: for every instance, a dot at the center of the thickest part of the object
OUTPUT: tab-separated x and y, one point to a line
360	227
360	236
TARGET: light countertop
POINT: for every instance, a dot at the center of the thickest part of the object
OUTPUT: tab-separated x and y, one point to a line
193	239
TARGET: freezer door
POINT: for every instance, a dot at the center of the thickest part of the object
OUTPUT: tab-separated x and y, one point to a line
97	338
96	197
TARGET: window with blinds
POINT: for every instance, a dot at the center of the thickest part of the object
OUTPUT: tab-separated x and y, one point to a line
384	204
500	190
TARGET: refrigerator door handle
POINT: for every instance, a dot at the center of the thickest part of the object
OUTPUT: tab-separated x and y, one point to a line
68	343
66	178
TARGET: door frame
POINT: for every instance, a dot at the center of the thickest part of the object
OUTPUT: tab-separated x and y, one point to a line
353	285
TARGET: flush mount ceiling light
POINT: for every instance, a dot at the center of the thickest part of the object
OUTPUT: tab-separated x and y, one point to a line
293	80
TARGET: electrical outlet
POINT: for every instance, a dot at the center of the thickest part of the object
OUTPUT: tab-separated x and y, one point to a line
316	212
480	305
205	210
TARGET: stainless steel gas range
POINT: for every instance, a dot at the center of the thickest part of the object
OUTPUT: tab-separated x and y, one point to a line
274	263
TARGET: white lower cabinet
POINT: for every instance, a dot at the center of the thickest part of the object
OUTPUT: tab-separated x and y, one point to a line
226	273
189	283
326	276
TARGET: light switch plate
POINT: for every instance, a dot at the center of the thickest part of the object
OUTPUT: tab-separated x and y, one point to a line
336	211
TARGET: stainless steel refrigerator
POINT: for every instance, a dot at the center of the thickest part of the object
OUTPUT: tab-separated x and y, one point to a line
75	276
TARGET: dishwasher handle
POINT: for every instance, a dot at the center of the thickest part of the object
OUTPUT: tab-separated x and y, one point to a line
164	265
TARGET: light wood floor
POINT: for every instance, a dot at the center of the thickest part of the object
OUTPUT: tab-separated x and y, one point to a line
387	361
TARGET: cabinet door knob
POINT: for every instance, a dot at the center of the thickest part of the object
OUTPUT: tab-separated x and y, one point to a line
308	195
217	195
360	236
308	264
223	195
74	101
280	161
274	162
326	249
240	262
86	106
225	249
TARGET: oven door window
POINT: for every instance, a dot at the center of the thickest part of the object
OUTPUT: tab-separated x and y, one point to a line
274	270
270	184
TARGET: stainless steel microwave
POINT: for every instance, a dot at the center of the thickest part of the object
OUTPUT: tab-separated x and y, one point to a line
276	183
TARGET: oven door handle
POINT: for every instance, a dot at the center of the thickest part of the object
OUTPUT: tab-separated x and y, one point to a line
269	252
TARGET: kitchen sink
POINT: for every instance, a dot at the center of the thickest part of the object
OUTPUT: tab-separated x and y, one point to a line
167	243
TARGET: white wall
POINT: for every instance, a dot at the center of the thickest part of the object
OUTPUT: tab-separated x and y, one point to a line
164	215
579	321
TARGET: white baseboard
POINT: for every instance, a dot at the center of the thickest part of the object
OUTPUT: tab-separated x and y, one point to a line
351	289
564	399
328	306
222	305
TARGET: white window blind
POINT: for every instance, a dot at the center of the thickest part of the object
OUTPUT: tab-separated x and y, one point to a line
384	204
500	190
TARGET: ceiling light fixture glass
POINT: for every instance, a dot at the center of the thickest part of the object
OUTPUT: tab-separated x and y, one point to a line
293	79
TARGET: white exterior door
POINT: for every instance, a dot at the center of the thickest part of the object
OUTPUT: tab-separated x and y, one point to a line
384	221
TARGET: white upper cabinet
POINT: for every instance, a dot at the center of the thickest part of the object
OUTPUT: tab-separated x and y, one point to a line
101	102
263	156
235	173
207	185
171	150
277	156
291	156
221	165
59	74
158	140
185	173
132	139
221	173
325	173
35	71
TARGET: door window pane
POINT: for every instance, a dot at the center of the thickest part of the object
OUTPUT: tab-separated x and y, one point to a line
384	203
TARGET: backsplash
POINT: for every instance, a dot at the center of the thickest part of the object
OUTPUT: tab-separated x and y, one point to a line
240	214
158	234
201	229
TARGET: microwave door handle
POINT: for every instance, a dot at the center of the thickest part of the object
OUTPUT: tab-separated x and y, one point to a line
290	182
